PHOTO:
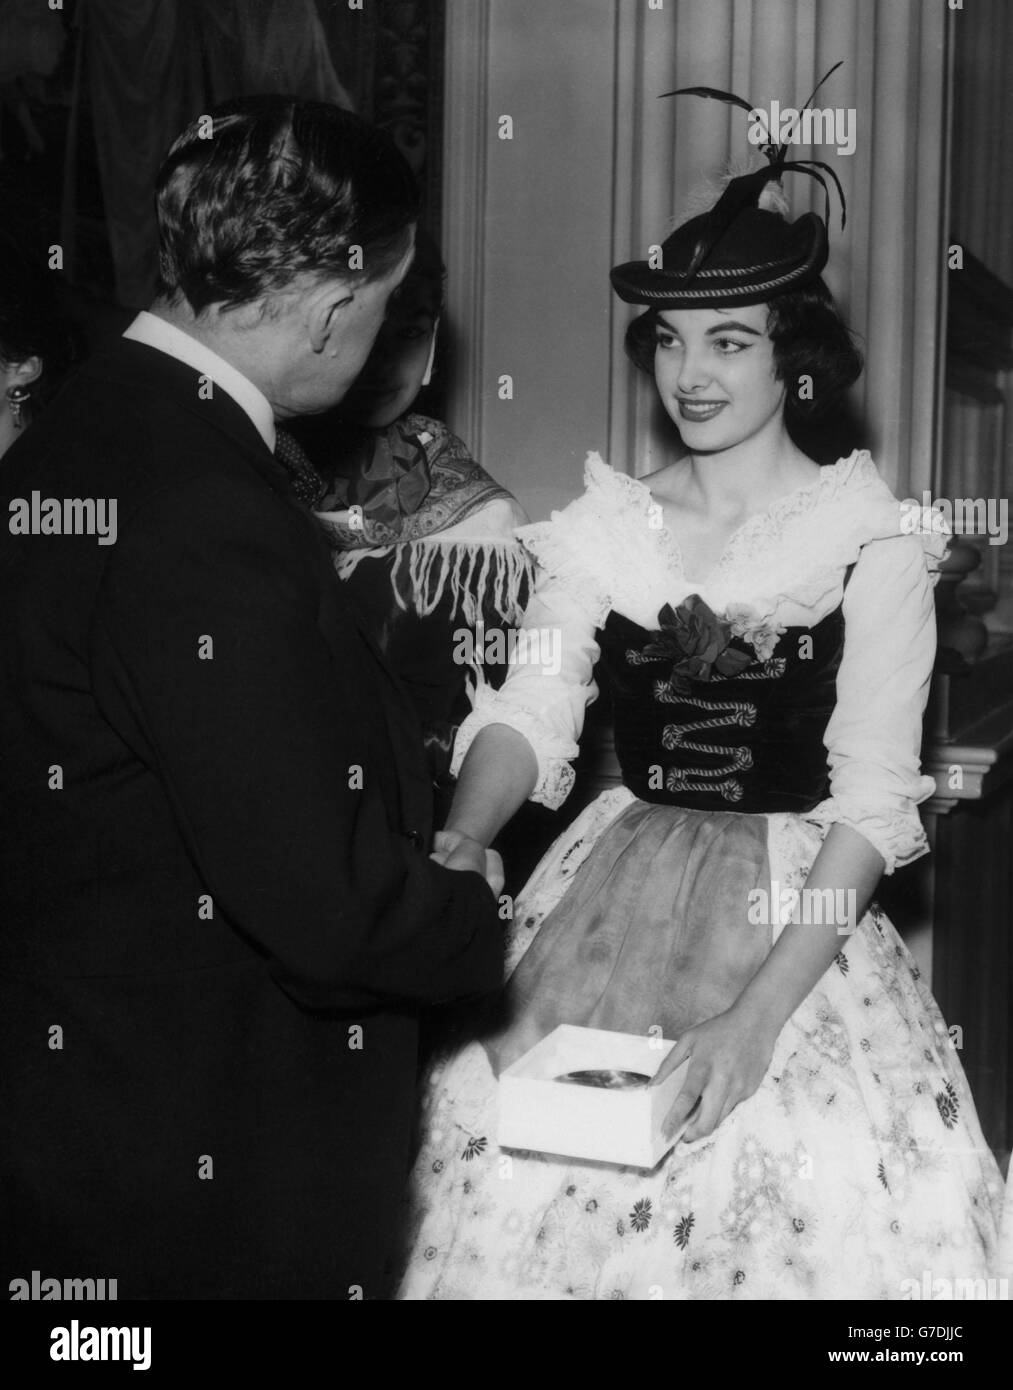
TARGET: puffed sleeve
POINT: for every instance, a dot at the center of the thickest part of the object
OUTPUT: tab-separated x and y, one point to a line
874	735
548	686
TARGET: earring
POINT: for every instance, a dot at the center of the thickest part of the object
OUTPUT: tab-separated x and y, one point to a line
18	398
427	378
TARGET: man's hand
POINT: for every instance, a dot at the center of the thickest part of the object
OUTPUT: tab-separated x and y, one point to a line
729	1055
455	850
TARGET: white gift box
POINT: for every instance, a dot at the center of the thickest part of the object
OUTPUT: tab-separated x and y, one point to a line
539	1112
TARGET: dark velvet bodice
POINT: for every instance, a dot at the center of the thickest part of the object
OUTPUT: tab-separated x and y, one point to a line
751	742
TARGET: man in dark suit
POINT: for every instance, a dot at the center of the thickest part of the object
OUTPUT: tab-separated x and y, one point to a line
218	914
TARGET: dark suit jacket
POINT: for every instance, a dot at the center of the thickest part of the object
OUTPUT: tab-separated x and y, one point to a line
215	935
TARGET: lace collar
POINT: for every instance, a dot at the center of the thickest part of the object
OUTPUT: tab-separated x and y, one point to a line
791	556
758	529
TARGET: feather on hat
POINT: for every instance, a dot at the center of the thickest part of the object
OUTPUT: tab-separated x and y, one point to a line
737	252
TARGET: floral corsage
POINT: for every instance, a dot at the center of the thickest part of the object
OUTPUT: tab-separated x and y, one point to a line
699	642
747	624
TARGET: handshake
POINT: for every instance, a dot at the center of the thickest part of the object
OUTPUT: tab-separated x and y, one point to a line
455	850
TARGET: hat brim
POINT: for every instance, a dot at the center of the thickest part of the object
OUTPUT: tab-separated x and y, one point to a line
721	286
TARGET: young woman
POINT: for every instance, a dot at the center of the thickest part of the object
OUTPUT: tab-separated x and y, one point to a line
768	631
422	535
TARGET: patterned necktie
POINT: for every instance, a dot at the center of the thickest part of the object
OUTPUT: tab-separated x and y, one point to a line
307	483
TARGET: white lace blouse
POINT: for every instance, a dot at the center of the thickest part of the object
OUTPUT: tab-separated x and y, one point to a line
785	566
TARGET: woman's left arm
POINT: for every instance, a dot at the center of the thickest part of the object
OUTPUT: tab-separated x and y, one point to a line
873	743
731	1053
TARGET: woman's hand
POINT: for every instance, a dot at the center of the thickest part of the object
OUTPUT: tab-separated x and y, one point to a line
455	850
729	1055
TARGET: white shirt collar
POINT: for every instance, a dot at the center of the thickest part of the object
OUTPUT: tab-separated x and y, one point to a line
166	337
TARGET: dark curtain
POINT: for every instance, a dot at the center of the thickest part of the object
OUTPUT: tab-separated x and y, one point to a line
151	66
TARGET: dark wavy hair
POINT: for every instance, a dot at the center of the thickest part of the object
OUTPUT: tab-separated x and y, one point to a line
809	338
32	323
280	188
428	267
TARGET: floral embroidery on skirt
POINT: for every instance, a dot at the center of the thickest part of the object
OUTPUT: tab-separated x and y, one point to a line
857	1165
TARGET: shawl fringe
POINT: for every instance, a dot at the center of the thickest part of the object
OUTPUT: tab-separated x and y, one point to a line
476	574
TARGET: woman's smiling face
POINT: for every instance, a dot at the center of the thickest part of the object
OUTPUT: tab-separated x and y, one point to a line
715	372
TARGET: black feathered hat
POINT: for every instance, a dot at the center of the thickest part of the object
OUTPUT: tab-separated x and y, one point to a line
738	252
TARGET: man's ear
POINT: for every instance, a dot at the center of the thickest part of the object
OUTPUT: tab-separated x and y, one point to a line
326	314
24	373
